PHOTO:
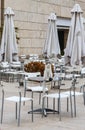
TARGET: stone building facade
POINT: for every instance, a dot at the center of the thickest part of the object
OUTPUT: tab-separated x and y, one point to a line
31	21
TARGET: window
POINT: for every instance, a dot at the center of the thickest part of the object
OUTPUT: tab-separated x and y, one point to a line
63	25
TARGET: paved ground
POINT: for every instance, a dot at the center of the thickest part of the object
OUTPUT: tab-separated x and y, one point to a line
51	122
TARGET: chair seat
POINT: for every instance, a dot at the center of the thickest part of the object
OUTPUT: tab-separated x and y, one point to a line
72	93
63	94
17	99
56	95
37	89
31	74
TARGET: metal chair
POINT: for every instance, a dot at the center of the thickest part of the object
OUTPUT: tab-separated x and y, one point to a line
40	89
17	100
36	88
67	92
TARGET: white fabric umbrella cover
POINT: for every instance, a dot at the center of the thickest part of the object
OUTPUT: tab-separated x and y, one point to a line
8	42
52	46
75	47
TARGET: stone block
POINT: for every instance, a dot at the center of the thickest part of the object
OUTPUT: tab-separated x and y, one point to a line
66	12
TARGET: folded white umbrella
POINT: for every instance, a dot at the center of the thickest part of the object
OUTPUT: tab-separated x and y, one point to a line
52	46
75	47
9	48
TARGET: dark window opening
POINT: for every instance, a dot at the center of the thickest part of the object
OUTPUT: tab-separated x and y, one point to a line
62	35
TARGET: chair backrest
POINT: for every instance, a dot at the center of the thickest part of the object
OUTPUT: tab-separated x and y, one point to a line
83	70
16	63
48	71
68	84
4	64
8	93
35	74
32	74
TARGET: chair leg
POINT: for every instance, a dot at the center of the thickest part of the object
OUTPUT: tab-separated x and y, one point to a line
47	102
74	105
84	94
59	109
24	96
43	100
71	104
39	97
54	104
84	97
58	104
19	110
67	104
16	110
32	109
24	91
2	106
32	98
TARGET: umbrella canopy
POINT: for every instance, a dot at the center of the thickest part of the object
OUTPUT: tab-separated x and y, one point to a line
8	42
51	46
75	47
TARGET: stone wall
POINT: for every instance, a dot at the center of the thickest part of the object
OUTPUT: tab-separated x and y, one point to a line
31	18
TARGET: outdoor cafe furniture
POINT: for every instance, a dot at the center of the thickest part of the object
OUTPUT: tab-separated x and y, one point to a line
33	57
16	65
8	70
42	88
40	79
16	75
9	75
4	65
23	56
65	90
17	100
4	69
36	88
